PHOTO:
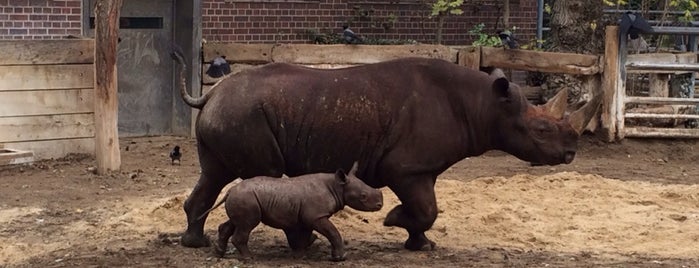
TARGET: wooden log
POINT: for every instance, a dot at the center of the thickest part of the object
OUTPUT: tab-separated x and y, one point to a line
55	148
470	57
14	157
610	76
661	116
663	67
356	54
45	102
549	62
239	53
661	100
46	127
649	132
73	51
33	77
106	99
659	85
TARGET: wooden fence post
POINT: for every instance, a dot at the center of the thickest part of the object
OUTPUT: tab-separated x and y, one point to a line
470	57
610	78
106	100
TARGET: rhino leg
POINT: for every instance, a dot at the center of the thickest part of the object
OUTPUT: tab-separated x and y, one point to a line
327	229
225	231
300	239
212	180
417	212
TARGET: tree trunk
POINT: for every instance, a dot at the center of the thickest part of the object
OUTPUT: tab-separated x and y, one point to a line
577	26
106	102
440	28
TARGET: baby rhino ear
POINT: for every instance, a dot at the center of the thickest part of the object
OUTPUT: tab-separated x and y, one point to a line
340	175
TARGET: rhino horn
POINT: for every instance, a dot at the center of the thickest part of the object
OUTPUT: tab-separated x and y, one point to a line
557	105
580	118
355	166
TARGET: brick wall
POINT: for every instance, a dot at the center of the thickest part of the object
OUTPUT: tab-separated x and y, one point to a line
40	19
265	21
286	21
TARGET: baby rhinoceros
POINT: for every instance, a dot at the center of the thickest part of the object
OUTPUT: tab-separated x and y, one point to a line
297	205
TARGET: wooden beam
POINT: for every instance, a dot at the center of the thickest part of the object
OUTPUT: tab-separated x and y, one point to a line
55	148
13	157
356	54
46	127
662	100
45	102
33	77
549	62
610	77
106	99
73	51
663	67
470	57
661	116
662	132
238	53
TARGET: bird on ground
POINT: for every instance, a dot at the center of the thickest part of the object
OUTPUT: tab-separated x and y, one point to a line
175	155
349	36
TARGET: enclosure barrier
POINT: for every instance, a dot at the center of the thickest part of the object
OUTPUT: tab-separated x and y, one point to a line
658	66
46	97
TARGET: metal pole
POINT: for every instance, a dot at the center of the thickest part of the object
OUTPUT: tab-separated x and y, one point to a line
539	22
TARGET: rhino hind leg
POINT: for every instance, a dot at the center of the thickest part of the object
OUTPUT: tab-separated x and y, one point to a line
213	178
416	214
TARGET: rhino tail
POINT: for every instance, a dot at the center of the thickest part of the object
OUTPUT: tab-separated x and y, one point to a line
193	102
214	207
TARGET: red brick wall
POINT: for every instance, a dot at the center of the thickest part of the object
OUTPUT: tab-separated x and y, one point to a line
40	19
267	21
286	21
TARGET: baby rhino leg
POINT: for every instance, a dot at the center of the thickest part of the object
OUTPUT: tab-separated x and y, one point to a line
225	231
300	239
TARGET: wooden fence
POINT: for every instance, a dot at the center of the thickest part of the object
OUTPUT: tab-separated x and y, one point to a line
46	97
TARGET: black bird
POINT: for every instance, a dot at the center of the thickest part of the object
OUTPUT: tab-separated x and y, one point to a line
175	155
219	67
508	39
349	36
633	25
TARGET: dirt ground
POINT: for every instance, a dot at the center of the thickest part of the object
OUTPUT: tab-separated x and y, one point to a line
628	204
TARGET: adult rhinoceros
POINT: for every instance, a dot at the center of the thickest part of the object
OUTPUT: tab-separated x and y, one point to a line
404	120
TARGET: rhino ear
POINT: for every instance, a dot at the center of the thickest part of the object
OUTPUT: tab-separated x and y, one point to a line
340	175
501	88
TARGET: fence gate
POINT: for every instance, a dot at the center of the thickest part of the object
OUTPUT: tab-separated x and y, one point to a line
657	113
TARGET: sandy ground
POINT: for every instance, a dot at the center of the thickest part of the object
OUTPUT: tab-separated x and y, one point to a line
628	204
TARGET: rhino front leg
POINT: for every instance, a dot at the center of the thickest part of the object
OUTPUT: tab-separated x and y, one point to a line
417	212
327	229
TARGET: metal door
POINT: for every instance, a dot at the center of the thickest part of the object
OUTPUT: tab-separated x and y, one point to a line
145	69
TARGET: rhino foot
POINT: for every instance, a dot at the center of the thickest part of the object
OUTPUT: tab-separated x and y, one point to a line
219	250
194	241
338	258
420	244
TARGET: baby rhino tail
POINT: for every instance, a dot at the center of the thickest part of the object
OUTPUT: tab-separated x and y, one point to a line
235	182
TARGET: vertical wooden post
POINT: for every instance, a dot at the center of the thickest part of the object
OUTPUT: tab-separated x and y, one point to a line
106	101
470	57
610	77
